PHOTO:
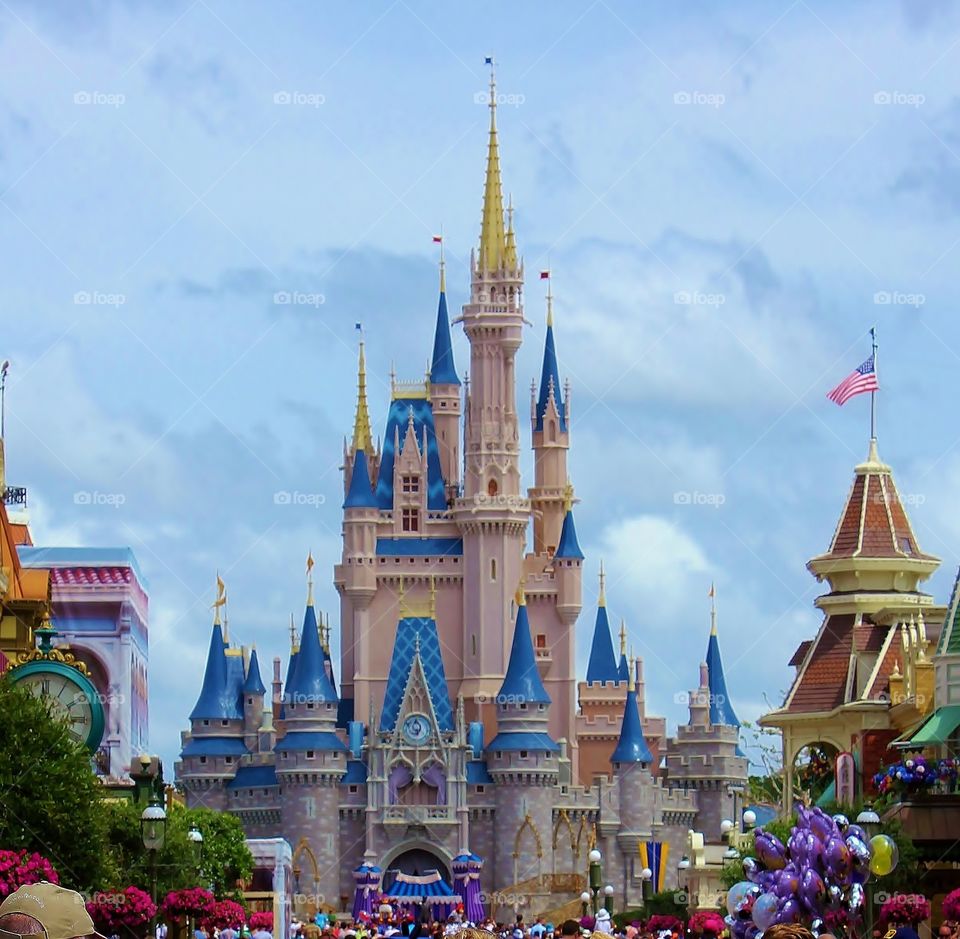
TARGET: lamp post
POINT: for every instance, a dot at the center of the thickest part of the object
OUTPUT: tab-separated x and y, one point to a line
153	829
596	878
608	898
195	837
585	900
646	875
869	821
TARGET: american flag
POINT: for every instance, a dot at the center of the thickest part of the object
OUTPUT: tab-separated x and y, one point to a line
859	381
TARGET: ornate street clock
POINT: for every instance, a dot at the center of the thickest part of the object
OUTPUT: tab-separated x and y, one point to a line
56	676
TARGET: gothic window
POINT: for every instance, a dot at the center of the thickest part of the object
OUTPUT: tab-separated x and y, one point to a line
473	643
410	520
493	568
552	431
310	754
492	488
541	641
411	484
310	804
523	754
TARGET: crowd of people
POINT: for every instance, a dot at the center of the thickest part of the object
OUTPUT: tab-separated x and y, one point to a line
48	911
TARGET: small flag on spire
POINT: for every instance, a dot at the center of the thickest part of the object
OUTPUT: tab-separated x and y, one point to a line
359	327
309	561
861	380
438	239
488	60
544	275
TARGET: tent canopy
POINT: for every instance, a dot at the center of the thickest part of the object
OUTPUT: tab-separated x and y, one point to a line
430	886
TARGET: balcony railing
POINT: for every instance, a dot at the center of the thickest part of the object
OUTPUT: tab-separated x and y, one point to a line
419	814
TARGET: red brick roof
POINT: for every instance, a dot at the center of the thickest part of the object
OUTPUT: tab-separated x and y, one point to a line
822	681
874	523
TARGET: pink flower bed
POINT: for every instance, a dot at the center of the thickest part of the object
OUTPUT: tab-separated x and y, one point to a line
112	911
19	868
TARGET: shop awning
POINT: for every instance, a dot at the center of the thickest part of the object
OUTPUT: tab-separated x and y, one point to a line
935	729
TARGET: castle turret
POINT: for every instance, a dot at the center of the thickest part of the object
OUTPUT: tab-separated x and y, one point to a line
445	393
568	565
311	758
705	755
549	417
492	514
522	758
356	575
215	742
602	665
623	670
253	691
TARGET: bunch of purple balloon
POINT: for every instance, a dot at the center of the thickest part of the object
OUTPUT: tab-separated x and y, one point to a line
824	865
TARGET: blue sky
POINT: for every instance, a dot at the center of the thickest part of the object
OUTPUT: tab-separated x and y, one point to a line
729	197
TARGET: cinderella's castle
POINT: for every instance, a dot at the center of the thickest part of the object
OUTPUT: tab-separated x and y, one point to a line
459	739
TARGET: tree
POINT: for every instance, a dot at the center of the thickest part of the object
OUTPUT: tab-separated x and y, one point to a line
224	859
51	797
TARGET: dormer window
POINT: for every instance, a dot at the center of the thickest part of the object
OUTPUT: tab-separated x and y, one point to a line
410	484
523	754
410	520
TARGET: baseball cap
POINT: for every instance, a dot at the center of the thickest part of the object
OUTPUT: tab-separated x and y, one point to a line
61	912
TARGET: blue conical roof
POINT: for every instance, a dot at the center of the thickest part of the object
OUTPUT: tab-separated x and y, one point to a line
442	370
360	494
310	683
215	701
721	709
623	671
550	380
632	747
253	683
602	665
522	682
569	546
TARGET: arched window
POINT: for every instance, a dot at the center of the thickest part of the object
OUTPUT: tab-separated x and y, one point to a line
552	431
493	568
492	488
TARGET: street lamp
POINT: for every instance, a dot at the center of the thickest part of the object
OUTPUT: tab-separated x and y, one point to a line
749	818
646	875
153	829
596	877
585	900
608	898
869	821
726	826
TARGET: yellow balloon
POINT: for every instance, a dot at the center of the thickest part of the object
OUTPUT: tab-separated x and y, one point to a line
883	855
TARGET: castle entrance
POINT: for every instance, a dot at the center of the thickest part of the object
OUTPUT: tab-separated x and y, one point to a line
416	862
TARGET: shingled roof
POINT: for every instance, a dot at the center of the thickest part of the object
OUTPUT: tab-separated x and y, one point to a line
873	523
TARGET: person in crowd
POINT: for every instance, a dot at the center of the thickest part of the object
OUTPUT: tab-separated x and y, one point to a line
47	910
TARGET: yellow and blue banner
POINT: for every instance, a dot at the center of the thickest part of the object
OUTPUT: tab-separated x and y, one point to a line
654	854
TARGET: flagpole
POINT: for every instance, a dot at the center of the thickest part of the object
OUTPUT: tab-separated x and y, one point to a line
873	394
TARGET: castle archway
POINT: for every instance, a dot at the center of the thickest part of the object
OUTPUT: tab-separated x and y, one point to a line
414	858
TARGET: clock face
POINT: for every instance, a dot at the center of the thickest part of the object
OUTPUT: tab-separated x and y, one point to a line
71	696
416	729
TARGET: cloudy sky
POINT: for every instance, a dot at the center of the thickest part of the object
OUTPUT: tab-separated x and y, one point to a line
728	197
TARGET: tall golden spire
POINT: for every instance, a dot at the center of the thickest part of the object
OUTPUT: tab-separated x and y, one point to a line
550	301
492	236
602	601
713	609
361	426
294	645
623	638
310	578
221	599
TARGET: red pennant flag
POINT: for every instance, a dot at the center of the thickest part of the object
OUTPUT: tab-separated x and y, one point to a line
544	275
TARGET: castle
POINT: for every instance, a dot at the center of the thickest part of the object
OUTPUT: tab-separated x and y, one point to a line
459	738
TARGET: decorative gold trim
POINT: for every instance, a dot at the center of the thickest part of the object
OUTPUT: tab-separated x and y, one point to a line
54	655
